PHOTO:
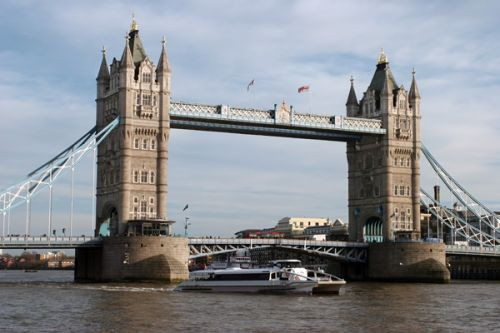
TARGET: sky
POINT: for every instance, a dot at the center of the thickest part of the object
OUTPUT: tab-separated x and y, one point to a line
50	56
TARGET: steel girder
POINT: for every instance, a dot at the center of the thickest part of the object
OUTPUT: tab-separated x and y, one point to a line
484	215
46	174
455	222
347	251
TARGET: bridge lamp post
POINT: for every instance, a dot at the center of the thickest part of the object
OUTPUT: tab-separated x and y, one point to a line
186	224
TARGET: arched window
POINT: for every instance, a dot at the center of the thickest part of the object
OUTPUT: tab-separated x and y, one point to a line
136	176
152	177
401	190
407	191
395	189
145	143
136	200
153	144
136	143
408	162
151	200
395	161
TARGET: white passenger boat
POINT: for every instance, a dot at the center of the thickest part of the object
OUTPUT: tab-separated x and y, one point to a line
251	280
326	283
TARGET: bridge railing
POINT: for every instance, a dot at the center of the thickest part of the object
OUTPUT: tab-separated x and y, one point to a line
44	240
461	249
272	241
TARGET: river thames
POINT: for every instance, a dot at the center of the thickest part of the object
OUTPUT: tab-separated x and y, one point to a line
48	301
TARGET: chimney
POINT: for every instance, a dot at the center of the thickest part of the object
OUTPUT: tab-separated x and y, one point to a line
437	195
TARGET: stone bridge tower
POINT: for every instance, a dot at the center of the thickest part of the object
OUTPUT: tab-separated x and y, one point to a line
384	172
132	161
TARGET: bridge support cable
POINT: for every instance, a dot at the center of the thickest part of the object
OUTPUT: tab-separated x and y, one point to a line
487	219
94	190
473	235
47	174
72	197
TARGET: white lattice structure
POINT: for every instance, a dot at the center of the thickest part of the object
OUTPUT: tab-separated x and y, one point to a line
279	117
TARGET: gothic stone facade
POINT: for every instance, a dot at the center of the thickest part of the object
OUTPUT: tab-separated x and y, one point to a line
384	171
132	161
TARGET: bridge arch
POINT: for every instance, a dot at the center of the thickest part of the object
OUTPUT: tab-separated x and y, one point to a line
109	221
373	230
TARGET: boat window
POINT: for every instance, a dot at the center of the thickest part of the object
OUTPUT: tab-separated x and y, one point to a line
242	277
273	276
310	274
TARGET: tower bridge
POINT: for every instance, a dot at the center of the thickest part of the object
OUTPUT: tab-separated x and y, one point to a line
134	115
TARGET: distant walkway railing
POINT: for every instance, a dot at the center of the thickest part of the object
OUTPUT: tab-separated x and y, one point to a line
44	242
473	250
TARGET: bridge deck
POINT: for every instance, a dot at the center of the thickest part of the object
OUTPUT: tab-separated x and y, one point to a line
199	247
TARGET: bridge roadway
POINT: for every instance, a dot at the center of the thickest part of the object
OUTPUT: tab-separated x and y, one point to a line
200	247
278	122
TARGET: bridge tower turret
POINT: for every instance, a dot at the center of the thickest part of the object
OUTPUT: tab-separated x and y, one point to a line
132	161
384	172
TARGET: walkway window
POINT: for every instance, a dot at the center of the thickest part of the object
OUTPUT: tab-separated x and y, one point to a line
144	176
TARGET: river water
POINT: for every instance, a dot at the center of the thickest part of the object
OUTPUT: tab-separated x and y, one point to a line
48	301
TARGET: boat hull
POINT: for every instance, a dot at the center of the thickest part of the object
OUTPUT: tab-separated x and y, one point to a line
328	287
292	287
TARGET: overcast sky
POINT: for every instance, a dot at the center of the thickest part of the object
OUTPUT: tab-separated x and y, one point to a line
50	55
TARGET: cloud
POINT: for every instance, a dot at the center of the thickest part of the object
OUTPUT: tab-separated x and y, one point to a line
48	67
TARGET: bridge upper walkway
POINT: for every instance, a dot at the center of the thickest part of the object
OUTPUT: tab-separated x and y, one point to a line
222	118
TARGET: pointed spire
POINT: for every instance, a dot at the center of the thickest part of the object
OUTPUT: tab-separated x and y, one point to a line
414	92
352	99
163	62
387	85
103	70
126	60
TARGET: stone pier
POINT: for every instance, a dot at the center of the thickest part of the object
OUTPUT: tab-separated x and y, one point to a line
134	258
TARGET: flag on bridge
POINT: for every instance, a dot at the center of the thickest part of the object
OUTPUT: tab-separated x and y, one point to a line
250	84
303	89
186	207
